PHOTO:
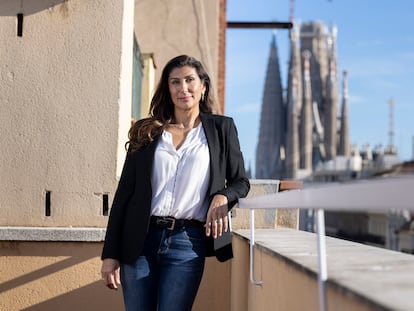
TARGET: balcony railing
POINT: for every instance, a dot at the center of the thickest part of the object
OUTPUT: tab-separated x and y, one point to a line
364	195
58	268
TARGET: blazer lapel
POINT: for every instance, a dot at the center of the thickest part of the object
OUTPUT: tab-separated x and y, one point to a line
146	163
209	127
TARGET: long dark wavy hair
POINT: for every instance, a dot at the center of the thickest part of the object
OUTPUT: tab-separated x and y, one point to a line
161	113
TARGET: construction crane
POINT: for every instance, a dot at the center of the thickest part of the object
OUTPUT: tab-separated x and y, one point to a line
291	11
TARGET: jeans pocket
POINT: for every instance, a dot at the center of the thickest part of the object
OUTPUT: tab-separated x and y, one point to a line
195	234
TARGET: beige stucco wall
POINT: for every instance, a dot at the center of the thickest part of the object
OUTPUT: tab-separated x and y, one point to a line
65	276
288	282
169	28
284	287
53	276
39	264
65	91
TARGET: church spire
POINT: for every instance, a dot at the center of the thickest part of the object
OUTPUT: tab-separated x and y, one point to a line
344	147
306	116
331	103
269	152
294	103
330	133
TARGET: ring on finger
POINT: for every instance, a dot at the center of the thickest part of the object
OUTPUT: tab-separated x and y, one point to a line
220	221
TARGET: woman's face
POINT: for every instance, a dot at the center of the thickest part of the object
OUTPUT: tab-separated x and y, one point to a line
185	88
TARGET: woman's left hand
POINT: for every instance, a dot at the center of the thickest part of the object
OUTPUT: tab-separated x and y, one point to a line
217	220
110	273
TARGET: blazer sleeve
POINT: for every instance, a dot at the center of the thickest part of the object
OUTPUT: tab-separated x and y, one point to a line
237	184
125	189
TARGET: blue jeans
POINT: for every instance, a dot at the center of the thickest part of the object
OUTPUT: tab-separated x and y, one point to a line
167	275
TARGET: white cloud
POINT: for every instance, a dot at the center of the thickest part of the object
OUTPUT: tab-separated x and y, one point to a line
357	100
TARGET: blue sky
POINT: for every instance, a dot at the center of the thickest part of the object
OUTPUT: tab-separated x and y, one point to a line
375	44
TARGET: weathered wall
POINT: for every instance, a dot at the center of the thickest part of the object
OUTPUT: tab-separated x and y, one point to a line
169	28
41	259
286	263
65	276
65	96
53	276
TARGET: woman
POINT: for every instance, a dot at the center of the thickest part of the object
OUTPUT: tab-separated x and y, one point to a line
183	172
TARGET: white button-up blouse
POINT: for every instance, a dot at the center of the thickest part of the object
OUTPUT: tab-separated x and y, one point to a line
180	177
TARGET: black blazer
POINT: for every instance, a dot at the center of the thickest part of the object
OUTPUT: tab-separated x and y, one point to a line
129	218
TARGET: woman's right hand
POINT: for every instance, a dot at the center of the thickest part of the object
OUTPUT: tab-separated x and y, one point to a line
110	273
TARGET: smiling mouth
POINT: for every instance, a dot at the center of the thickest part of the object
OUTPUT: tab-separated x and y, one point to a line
185	97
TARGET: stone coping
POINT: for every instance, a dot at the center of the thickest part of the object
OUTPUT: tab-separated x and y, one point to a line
380	277
58	234
264	181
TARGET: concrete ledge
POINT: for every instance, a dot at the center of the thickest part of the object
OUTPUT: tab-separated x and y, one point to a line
379	277
52	234
260	182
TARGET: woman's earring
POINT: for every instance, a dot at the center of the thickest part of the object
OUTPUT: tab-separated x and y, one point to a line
202	97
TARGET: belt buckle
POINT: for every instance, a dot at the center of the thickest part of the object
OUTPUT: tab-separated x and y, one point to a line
168	221
171	227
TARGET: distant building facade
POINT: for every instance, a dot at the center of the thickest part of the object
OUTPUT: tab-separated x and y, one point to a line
300	128
304	134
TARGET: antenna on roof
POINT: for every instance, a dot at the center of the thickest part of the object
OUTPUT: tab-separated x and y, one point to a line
391	124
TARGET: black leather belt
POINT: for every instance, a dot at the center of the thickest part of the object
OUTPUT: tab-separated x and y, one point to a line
170	223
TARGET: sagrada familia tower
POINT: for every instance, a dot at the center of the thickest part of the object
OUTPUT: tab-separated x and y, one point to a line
302	127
